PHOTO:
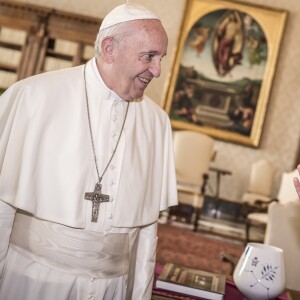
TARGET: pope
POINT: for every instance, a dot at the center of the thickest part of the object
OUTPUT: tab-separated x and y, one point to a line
87	164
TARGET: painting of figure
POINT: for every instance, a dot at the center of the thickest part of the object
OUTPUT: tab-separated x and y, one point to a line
228	42
221	72
222	90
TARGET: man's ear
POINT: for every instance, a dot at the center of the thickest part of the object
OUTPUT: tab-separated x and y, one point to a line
107	48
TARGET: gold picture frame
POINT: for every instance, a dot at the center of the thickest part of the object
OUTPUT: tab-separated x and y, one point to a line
223	69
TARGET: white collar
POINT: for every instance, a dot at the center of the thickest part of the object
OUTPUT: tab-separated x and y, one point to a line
94	78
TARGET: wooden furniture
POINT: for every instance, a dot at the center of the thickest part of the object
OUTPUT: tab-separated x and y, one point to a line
286	194
260	182
219	172
258	195
193	152
35	39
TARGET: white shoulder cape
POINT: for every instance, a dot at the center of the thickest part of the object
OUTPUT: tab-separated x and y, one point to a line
46	159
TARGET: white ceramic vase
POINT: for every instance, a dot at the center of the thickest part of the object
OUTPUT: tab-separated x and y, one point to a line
260	273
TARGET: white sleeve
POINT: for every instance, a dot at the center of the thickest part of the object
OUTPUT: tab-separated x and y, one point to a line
145	262
7	215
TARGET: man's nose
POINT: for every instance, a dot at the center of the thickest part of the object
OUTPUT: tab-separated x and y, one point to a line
155	67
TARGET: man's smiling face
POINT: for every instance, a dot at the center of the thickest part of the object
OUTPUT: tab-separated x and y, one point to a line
137	58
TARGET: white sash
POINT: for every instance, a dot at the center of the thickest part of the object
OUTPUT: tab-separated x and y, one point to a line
76	251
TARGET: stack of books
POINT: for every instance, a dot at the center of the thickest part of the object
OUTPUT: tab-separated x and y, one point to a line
194	282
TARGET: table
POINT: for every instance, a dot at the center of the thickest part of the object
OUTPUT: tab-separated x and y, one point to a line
231	291
220	172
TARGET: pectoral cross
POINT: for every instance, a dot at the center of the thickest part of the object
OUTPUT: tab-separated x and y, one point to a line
96	197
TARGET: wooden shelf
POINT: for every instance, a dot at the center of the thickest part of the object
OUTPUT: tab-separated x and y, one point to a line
11	46
8	68
43	28
52	53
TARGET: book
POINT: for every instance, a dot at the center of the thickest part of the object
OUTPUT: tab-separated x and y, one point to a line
192	282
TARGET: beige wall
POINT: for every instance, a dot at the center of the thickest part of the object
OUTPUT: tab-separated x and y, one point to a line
280	135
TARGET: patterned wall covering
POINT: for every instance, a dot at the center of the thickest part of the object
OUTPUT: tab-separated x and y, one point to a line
281	131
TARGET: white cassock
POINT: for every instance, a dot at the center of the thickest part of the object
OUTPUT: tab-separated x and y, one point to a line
47	166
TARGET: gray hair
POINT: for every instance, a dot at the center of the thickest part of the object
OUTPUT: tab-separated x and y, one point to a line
118	32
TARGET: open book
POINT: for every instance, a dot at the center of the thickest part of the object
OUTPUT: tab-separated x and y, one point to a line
192	282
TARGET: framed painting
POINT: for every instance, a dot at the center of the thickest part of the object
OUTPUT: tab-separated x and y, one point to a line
223	69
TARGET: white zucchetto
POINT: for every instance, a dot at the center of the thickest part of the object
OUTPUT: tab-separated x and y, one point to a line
125	13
